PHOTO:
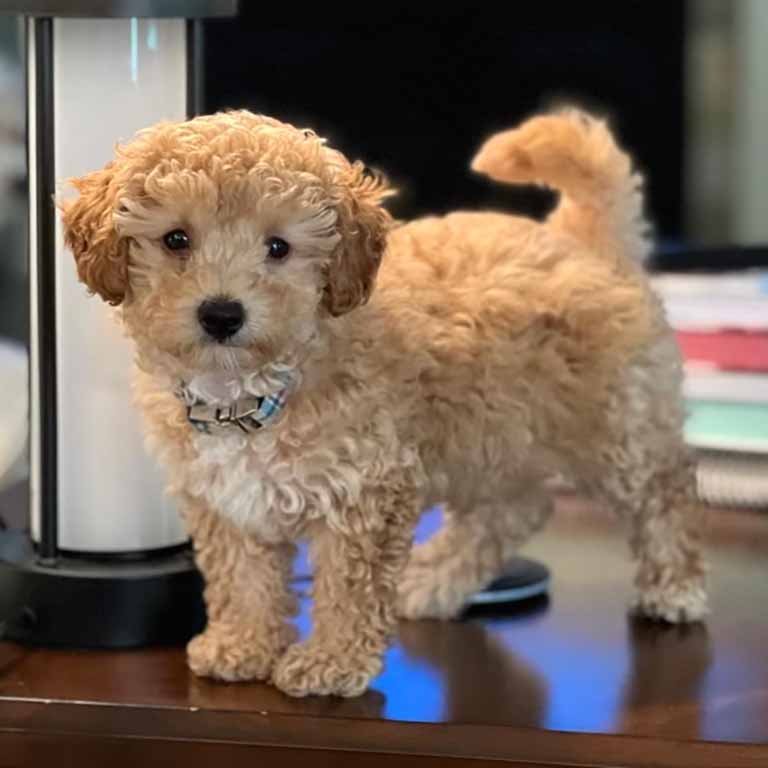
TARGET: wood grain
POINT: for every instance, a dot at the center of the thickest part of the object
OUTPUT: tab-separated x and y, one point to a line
569	681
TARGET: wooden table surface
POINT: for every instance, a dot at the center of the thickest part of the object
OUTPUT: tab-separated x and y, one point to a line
571	681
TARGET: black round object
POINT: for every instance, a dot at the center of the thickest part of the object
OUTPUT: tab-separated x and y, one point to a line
89	604
523	579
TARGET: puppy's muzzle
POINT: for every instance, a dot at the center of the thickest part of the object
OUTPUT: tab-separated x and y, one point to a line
221	318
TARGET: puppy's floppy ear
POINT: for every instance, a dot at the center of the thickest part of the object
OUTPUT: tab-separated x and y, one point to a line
363	225
89	232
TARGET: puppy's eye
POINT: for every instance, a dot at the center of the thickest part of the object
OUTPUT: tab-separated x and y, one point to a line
176	240
277	248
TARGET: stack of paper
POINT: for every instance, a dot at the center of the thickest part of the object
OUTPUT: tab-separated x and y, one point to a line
721	321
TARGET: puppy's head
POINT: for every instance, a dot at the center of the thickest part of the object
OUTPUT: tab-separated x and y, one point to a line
227	239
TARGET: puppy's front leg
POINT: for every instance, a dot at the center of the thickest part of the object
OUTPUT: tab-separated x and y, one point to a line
247	597
358	558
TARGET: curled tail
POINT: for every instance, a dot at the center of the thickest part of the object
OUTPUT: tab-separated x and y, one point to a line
601	198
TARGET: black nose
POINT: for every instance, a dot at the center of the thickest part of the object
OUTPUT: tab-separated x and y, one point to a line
221	318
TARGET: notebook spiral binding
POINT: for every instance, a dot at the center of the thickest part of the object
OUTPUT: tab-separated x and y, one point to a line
723	479
729	479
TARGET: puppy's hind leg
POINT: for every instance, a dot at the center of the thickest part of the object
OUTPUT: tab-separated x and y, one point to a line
469	552
666	527
643	469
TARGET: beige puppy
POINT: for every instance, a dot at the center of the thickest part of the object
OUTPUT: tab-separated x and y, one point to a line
287	398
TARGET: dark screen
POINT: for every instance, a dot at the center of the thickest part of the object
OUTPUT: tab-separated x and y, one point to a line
413	92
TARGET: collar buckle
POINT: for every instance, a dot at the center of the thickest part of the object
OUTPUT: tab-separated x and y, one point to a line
248	414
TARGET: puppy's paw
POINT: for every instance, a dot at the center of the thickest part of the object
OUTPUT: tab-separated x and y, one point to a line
309	669
234	654
420	595
673	603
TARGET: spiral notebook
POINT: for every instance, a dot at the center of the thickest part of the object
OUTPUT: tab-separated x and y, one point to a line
733	479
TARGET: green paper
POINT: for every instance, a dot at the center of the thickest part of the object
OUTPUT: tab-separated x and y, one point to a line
728	426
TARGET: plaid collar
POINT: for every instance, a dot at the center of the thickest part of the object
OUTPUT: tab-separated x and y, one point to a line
248	414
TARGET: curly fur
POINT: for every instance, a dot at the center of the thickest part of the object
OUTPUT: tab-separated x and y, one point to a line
494	352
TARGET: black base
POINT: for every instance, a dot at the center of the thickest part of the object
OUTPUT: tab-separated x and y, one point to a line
86	604
523	579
